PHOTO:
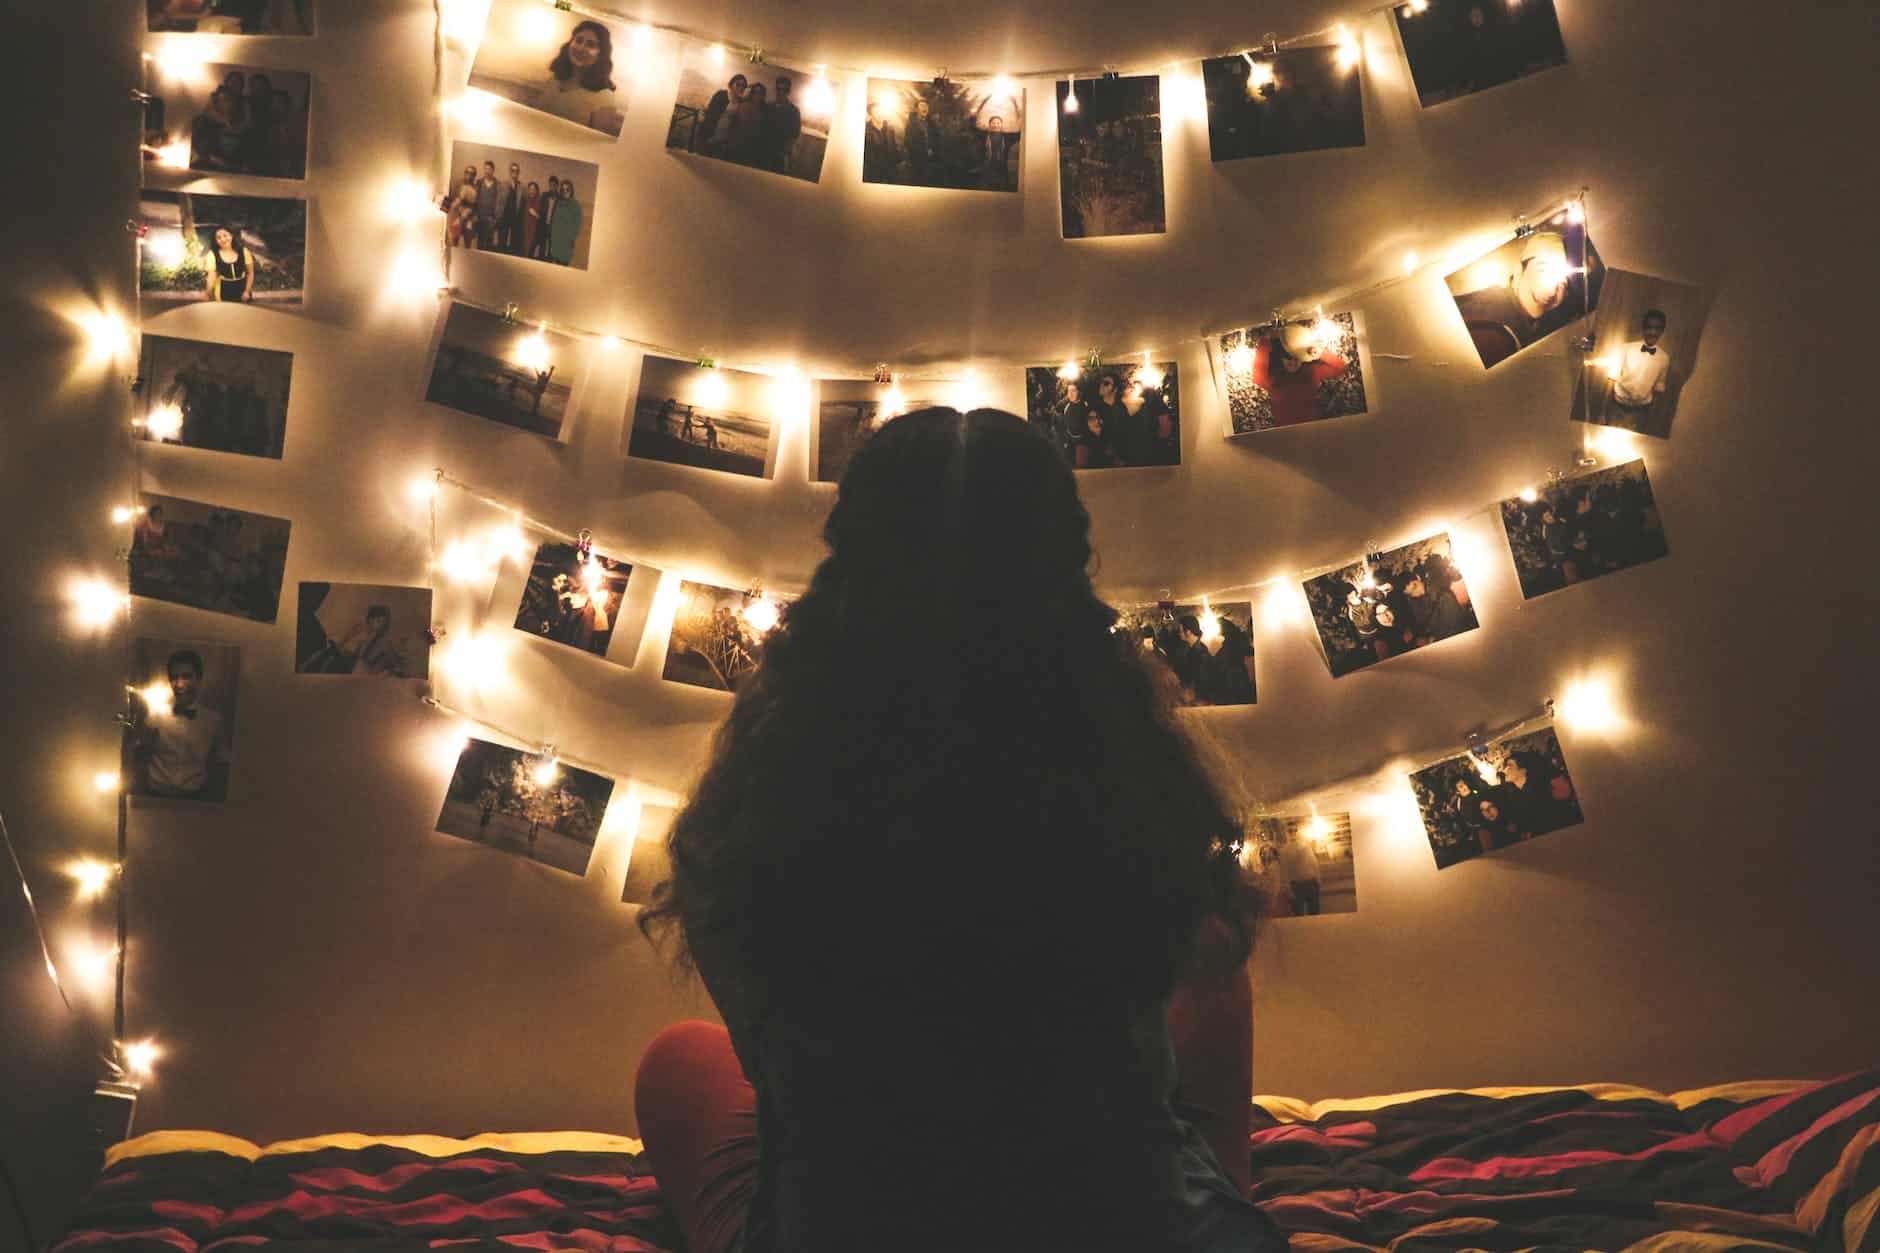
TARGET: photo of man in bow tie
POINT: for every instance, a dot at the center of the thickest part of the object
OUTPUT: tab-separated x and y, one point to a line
1638	380
179	743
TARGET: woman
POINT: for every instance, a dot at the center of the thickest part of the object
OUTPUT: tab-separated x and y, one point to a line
743	126
961	916
550	199
1090	449
564	228
211	137
232	277
580	84
531	218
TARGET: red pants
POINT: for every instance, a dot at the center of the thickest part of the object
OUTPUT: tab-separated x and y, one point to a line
698	1113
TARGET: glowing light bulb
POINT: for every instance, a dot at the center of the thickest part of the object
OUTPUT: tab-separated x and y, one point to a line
968	395
1069	371
1210	624
593	576
1005	85
94	965
538	25
546	771
819	98
408	200
157	697
164	422
96	603
762	615
717	54
165	247
422	487
463	22
642	38
107	338
123	514
1486	769
1367	580
1150	375
1410	262
1576	212
106	781
1240	358
418	273
1415	7
473	660
1327	334
1530	494
472	108
1349	53
1589	705
532	352
892	402
1070	98
712	389
140	1057
173	156
1259	74
1610	364
91	875
180	61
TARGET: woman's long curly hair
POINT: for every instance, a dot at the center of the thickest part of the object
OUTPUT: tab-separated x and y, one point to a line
596	77
949	787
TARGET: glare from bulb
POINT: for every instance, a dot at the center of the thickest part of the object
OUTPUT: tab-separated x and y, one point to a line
642	37
463	22
819	98
546	771
1240	358
1150	375
1415	7
417	273
124	513
712	389
1610	364
473	108
140	1057
538	25
95	602
1259	73
1410	262
106	781
892	402
1589	705
1070	99
593	576
165	422
165	247
1530	494
422	487
717	54
93	965
107	336
532	352
157	697
1069	371
1327	334
1349	53
1210	624
761	615
91	875
172	156
182	62
968	395
1486	770
1005	85
408	200
1576	212
476	661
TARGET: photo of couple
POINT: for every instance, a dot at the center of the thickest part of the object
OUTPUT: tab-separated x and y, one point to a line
521	204
547	58
768	117
235	119
1508	792
1389	603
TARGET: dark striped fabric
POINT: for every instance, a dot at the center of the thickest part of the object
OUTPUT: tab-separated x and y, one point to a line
1499	1169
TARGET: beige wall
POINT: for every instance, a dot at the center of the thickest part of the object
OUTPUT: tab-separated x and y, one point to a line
316	958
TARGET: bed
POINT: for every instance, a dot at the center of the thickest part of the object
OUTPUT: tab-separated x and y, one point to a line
1763	1165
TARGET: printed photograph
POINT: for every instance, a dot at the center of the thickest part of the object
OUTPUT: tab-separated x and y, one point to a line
767	117
1304	371
718	635
1458	47
508	372
1393	602
1262	104
571	599
848	413
1303	865
1206	649
179	735
1522	291
363	629
1644	351
521	204
710	417
554	60
1580	528
1110	157
228	119
229	17
525	804
1108	416
1515	789
648	866
233	249
942	133
218	397
207	557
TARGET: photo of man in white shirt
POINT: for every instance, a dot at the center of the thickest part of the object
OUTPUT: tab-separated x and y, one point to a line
181	744
1638	376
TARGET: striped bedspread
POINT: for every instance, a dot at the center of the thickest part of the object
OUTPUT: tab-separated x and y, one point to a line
1775	1165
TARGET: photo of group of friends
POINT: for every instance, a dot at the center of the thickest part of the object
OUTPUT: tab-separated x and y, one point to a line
1390	603
1302	370
521	204
941	133
1458	47
848	414
229	17
1263	104
217	397
1205	649
705	416
1522	291
1302	865
767	117
230	249
207	557
1581	528
363	629
572	597
1644	350
1110	157
506	371
235	119
179	731
1510	791
525	804
718	635
1108	416
555	61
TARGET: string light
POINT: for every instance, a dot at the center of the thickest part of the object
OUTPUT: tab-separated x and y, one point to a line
761	614
532	352
140	1057
91	875
1150	375
1349	53
180	61
124	513
1530	494
1588	705
712	388
94	965
1259	74
819	98
107	337
1070	96
164	422
1415	7
1410	262
157	697
171	156
96	603
547	770
106	781
1069	371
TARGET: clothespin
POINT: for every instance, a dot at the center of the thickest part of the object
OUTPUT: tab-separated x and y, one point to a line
510	310
883	375
707	363
584	543
1094	361
756	55
434	634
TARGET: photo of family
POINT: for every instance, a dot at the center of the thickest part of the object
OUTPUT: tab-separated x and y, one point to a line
179	733
1526	289
207	557
1390	603
1458	47
1206	649
705	416
229	17
1110	157
1583	527
363	629
555	61
1302	865
768	117
525	804
718	635
233	249
218	397
1108	416
490	367
848	413
1644	351
1513	790
521	204
1262	104
233	119
571	599
942	133
1304	371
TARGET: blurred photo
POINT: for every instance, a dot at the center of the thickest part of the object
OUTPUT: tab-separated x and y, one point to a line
1261	104
526	805
229	17
180	730
223	249
1205	650
1526	289
556	61
228	119
848	413
521	204
942	133
573	599
1302	865
1304	371
1110	157
1458	47
217	397
718	635
1513	790
1391	603
712	418
508	372
1108	416
767	117
363	629
1645	340
207	557
1583	527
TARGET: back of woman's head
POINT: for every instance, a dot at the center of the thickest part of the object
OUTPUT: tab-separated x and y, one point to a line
949	783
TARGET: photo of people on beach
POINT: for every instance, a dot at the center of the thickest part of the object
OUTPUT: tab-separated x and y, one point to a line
566	64
217	397
525	804
963	135
226	119
705	416
207	557
364	630
1512	790
1206	649
1389	603
849	412
519	374
767	117
521	204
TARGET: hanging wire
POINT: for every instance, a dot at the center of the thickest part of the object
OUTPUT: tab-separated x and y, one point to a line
32	912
